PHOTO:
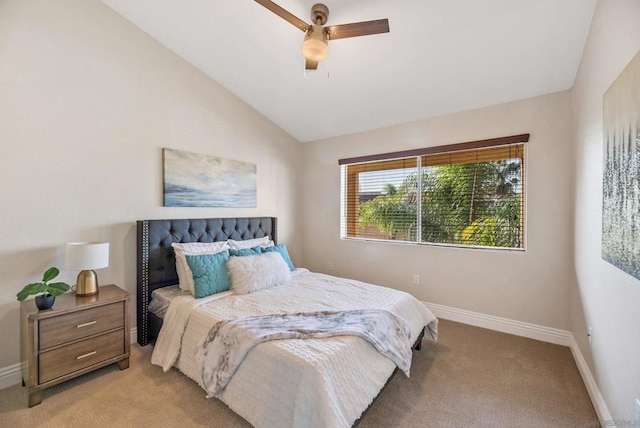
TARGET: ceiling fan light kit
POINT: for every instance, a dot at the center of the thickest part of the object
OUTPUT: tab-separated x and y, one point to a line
315	47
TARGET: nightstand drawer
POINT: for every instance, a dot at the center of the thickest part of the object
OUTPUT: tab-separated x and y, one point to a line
65	328
68	359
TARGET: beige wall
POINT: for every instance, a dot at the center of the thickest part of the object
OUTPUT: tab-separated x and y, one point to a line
87	102
532	286
606	298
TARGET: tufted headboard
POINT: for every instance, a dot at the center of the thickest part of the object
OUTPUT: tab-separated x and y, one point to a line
156	260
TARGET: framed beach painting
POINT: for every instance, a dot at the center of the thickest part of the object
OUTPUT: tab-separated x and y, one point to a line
621	175
200	180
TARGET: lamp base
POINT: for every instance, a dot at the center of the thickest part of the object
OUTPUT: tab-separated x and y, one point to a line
87	283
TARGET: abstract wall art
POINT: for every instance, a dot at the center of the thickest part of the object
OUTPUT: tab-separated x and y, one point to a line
199	180
621	178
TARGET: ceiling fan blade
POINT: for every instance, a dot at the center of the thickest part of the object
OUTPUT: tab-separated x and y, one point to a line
284	14
310	65
358	29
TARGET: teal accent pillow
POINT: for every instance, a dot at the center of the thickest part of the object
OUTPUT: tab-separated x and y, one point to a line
245	252
209	273
282	250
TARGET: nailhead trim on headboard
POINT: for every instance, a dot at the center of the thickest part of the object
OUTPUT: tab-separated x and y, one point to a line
145	277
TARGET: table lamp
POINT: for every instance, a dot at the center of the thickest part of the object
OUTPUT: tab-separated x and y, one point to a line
86	256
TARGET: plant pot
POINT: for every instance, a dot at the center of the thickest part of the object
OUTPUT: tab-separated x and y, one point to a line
45	301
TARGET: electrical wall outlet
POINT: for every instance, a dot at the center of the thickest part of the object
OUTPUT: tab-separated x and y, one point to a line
416	279
330	265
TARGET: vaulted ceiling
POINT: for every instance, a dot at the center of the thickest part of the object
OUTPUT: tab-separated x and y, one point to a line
440	56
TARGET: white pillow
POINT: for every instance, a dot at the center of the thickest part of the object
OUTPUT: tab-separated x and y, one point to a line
250	243
185	277
249	274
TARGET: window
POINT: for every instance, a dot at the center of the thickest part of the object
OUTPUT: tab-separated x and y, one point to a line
469	194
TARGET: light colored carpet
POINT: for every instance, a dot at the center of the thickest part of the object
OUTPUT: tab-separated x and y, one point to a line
471	378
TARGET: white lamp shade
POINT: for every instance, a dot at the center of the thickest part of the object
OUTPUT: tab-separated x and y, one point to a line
87	255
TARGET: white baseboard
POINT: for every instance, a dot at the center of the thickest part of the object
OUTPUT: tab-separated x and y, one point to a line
12	375
597	399
504	325
532	331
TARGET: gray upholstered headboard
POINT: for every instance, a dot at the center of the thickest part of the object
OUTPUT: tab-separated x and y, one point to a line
156	260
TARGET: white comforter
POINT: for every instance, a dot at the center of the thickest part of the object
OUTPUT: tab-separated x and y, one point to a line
325	382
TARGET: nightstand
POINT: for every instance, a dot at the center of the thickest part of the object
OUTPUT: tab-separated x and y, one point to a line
76	336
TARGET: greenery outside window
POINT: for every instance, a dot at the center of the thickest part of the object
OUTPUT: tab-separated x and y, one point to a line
469	194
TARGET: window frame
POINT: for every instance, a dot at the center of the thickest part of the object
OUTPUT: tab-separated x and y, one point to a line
351	167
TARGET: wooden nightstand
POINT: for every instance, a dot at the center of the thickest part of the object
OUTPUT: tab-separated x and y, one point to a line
76	336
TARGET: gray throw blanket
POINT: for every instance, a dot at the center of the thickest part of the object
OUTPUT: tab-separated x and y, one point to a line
221	352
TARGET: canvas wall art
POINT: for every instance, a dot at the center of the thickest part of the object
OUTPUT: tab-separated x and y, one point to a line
621	179
199	180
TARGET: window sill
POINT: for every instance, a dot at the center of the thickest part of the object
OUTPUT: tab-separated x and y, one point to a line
433	244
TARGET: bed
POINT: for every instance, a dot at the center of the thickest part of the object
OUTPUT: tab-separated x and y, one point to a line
291	382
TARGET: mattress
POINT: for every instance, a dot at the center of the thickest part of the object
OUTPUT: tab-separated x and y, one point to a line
162	297
293	382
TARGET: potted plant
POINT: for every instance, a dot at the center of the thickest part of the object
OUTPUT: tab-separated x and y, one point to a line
45	292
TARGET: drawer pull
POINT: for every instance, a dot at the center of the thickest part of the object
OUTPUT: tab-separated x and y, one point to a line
86	324
86	355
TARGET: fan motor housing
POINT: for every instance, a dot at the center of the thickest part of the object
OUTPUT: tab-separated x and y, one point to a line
320	12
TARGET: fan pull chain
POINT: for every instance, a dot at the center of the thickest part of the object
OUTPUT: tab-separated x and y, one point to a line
328	61
328	57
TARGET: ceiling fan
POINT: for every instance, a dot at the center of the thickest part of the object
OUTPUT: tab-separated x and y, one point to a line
315	46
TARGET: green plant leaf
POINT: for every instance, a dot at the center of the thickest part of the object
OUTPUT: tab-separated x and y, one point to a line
28	290
58	288
51	273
